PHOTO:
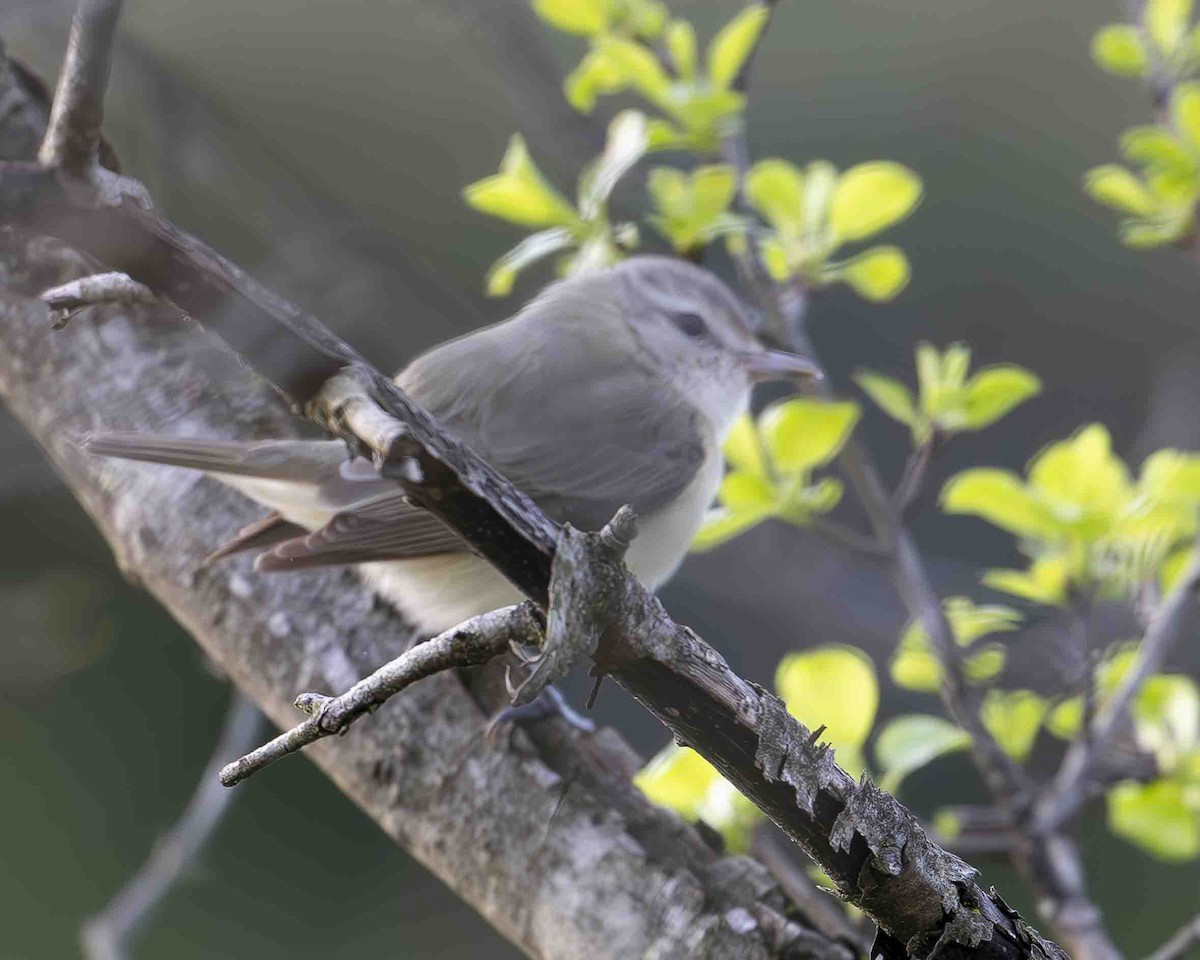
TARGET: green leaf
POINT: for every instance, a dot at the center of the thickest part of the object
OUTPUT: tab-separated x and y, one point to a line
775	188
1085	484
910	742
741	492
877	274
870	197
1014	717
734	42
1065	720
1185	113
891	396
681	44
692	208
536	246
801	434
519	193
835	686
1118	48
1167	22
999	497
994	391
1157	817
596	74
583	17
775	258
682	780
915	667
743	447
1044	582
1157	150
1145	235
624	146
721	526
1166	717
639	66
1116	187
987	664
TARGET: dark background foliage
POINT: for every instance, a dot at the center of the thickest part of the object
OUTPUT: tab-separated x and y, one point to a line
323	146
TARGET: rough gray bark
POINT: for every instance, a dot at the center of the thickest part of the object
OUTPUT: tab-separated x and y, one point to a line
607	877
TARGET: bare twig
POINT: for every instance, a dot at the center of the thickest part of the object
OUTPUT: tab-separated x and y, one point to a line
1181	941
106	936
819	906
473	642
1068	791
850	538
66	300
73	133
913	477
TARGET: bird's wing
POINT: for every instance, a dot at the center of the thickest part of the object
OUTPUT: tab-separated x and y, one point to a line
387	528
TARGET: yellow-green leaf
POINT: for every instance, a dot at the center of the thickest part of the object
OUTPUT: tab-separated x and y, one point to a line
1044	582
1014	717
834	686
681	44
536	246
1114	186
1066	718
519	193
999	497
743	448
891	396
1167	21
595	74
734	43
721	526
1185	112
639	65
915	667
910	742
877	274
1157	817
682	780
801	434
583	17
775	188
994	391
1085	481
870	197
1118	48
741	491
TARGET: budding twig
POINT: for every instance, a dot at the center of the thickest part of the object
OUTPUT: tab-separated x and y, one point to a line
473	642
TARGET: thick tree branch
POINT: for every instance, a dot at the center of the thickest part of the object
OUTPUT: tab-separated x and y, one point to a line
869	844
609	877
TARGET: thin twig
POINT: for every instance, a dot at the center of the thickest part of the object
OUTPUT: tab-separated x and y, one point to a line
107	935
473	642
913	478
1068	791
73	133
1181	941
850	538
66	300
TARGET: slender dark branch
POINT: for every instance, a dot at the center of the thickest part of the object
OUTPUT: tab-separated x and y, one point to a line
473	642
1181	941
106	936
913	478
73	134
850	538
1069	789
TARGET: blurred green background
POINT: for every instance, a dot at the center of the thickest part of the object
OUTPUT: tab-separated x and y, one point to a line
324	145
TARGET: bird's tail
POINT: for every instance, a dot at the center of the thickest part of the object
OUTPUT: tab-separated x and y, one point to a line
296	460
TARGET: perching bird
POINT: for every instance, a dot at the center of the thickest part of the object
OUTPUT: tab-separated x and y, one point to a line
613	387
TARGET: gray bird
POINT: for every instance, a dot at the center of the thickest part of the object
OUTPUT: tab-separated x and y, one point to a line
613	387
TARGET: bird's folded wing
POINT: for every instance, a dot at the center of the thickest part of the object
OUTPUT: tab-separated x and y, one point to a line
386	528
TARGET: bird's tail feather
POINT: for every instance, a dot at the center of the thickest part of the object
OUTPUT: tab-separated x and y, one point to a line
296	460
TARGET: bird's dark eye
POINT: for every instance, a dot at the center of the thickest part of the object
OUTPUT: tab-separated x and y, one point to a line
691	324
